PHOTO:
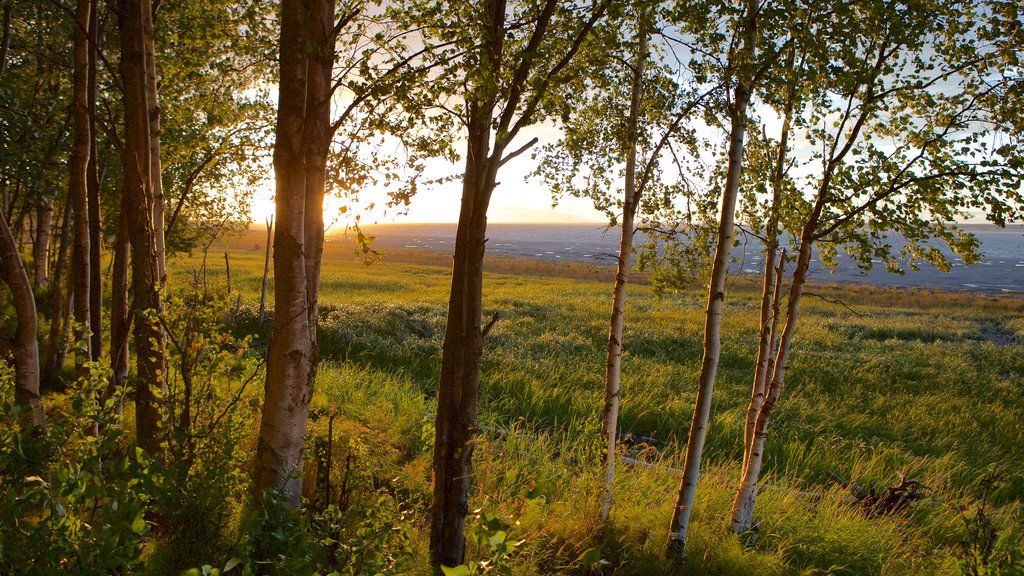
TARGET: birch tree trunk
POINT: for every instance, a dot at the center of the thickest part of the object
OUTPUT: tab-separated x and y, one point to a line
716	300
631	200
138	190
26	347
78	179
742	513
746	496
302	139
41	246
93	190
153	114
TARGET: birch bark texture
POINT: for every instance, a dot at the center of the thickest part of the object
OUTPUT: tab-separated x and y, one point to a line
716	294
742	511
630	203
26	347
300	151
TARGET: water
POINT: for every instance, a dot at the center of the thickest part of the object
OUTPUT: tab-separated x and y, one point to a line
1001	270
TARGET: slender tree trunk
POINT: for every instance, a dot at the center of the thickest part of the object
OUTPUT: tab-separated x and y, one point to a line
227	271
153	107
78	180
120	319
461	352
300	150
716	301
458	389
5	37
41	246
26	347
742	513
59	299
266	269
18	224
631	200
138	190
462	349
93	190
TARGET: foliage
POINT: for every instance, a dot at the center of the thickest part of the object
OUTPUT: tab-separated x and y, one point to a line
984	550
210	384
34	118
366	535
214	61
491	535
71	501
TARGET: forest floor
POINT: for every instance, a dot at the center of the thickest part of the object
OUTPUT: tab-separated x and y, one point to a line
882	381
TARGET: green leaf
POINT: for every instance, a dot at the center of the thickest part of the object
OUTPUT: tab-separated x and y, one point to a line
591	557
460	570
498	538
231	564
139	524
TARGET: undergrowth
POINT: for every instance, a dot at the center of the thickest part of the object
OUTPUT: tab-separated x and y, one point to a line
913	383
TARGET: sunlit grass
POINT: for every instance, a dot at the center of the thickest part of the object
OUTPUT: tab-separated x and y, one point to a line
928	384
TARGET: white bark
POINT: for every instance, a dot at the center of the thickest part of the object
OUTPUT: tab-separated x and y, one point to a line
716	301
613	359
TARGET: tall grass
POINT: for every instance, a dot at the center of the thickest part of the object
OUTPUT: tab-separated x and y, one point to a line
925	383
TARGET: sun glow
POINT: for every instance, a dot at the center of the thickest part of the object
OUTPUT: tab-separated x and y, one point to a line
514	201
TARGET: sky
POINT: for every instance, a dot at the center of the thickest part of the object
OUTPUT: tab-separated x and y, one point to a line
515	200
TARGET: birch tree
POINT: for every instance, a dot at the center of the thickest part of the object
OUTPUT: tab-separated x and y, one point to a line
907	137
515	57
374	81
302	137
630	109
26	348
747	58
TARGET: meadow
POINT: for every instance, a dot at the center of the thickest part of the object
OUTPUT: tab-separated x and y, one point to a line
883	381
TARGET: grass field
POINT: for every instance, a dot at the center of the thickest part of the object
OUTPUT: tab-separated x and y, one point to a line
928	384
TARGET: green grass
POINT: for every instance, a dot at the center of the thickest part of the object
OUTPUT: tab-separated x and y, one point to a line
929	384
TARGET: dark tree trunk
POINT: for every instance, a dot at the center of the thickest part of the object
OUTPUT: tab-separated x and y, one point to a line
57	350
78	180
458	390
300	151
120	319
93	189
138	190
5	37
26	348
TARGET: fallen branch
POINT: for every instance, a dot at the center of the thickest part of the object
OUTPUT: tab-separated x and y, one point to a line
837	301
